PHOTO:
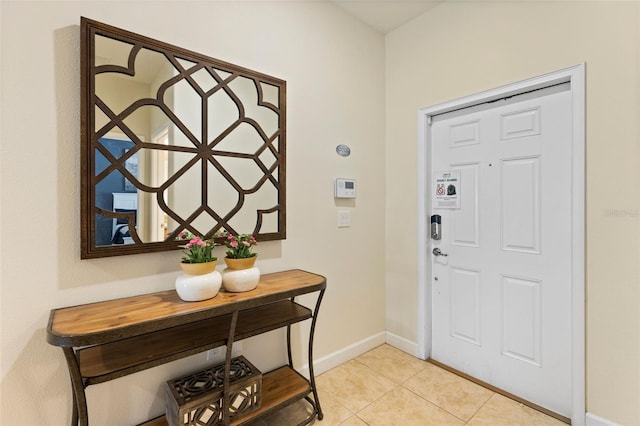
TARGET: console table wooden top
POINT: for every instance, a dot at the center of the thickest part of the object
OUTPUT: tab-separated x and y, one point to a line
101	322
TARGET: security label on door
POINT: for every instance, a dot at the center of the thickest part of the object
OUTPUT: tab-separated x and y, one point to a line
446	189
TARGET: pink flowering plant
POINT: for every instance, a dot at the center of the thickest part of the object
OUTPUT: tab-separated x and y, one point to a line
239	245
198	250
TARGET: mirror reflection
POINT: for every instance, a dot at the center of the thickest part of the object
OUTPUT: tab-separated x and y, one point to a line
177	141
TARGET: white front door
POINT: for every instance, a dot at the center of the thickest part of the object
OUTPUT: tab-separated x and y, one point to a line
501	306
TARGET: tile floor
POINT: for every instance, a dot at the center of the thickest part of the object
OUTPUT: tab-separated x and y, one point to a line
387	387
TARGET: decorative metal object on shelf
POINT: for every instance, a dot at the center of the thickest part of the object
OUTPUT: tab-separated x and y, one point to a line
197	399
173	141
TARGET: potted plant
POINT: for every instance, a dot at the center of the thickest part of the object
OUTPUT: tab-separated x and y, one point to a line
240	254
241	274
198	256
200	280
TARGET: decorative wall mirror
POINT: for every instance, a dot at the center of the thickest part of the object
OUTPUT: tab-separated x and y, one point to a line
175	141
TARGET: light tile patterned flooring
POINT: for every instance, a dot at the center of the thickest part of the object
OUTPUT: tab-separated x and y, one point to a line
387	387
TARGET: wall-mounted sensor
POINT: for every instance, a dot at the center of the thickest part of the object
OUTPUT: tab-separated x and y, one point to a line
345	188
343	150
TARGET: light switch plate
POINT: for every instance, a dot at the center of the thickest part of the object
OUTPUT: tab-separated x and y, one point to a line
344	218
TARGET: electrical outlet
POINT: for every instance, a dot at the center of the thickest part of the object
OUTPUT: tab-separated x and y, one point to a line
216	354
219	353
237	349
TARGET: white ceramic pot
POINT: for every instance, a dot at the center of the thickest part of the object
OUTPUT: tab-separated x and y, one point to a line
193	288
239	280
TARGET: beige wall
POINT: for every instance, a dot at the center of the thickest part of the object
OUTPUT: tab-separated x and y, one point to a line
334	67
461	48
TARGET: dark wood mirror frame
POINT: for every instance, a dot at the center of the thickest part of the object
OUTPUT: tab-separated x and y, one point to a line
202	150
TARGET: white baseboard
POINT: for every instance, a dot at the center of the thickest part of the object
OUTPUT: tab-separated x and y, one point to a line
403	344
337	358
593	420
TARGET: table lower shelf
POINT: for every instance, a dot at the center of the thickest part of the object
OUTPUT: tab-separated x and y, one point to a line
121	357
279	388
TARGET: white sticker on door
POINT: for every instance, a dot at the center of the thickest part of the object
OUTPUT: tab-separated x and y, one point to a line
446	189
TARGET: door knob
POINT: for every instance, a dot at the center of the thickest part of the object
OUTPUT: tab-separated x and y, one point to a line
437	252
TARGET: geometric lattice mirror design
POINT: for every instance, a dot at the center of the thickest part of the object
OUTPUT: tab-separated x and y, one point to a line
175	141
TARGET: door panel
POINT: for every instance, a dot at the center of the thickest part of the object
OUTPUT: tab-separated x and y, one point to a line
466	133
501	305
520	199
520	123
466	219
521	333
465	305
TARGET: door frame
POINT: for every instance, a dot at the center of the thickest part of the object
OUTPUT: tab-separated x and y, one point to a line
576	76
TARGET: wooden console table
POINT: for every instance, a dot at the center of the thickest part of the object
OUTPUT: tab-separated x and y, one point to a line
106	340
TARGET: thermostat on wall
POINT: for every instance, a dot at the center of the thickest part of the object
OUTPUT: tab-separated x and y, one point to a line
345	188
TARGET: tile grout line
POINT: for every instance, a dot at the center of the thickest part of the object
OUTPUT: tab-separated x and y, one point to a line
373	373
396	386
425	363
480	408
436	405
402	386
368	405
